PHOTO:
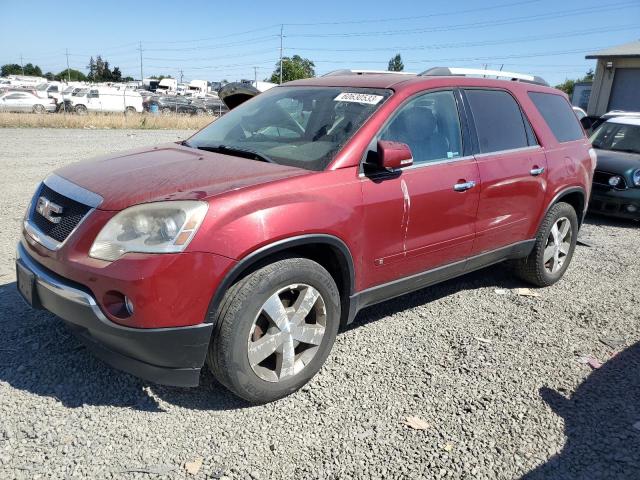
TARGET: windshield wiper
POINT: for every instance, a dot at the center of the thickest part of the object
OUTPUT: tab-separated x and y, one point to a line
240	152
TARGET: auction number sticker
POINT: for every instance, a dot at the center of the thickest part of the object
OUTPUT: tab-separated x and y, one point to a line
358	98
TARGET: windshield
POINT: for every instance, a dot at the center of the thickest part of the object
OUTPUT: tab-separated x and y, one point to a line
298	126
617	136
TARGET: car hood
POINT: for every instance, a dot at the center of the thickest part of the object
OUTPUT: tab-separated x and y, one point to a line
170	172
234	94
617	162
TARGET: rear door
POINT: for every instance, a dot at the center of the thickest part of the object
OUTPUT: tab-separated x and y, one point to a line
423	216
512	169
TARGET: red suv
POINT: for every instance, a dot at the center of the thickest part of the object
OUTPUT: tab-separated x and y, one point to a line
249	244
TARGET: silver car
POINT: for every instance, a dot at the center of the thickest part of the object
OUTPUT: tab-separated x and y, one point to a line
26	102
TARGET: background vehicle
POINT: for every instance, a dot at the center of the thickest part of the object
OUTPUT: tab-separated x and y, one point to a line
167	85
212	105
616	182
106	99
250	243
16	101
175	104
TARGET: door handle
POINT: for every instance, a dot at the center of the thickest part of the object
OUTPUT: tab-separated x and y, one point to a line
461	187
537	171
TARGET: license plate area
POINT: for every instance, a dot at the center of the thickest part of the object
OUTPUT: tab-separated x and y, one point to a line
26	280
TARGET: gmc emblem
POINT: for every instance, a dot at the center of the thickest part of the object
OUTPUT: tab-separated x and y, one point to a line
49	210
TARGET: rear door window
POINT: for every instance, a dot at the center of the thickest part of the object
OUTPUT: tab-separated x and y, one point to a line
498	119
559	115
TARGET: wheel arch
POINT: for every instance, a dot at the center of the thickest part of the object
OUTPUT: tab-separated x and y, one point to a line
574	196
327	250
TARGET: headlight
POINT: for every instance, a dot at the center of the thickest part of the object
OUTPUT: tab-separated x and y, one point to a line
162	227
636	177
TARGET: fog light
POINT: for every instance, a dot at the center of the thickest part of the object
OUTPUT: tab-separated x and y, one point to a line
632	208
615	181
128	303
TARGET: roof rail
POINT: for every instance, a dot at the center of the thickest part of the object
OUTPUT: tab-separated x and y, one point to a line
347	71
467	72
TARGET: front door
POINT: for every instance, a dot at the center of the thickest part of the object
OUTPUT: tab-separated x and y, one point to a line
512	170
423	216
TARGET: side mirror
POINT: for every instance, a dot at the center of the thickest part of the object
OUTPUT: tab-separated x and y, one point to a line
394	155
587	123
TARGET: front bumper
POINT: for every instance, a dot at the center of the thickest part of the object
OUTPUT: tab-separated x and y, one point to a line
616	203
169	356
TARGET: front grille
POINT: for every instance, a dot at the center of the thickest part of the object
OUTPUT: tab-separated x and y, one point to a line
72	213
602	178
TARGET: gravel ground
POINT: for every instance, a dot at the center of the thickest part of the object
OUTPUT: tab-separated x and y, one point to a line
496	376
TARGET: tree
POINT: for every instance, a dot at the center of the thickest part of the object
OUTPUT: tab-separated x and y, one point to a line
100	71
568	85
116	75
395	64
15	69
293	68
49	76
92	69
72	75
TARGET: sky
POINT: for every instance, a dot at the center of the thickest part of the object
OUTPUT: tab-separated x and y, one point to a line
235	40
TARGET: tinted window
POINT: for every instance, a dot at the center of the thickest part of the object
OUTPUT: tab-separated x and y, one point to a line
429	124
558	114
498	119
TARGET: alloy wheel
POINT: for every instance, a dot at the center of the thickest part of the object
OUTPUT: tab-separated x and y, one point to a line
558	245
287	332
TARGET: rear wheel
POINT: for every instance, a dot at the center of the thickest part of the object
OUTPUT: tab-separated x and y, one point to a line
554	247
275	329
129	110
166	111
200	112
38	108
81	110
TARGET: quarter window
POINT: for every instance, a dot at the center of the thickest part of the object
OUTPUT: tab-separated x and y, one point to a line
498	120
430	125
559	116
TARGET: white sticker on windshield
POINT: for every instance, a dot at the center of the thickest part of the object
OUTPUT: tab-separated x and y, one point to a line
358	98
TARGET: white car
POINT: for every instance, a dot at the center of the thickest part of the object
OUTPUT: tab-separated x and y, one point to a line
106	99
26	102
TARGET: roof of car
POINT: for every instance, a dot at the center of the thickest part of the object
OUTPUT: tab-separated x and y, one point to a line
625	120
399	81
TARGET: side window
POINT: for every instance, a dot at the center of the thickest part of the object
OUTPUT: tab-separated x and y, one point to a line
93	94
559	115
498	120
430	125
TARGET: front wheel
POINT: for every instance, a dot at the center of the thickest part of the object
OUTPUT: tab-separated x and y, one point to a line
38	108
275	329
554	247
81	110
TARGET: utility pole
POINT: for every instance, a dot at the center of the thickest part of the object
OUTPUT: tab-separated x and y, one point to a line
181	75
255	76
68	73
22	64
281	30
141	75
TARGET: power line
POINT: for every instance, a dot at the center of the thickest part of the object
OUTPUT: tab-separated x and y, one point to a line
416	17
462	26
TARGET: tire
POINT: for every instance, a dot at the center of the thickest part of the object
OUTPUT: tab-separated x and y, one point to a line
200	112
129	110
81	110
38	108
241	319
534	269
166	111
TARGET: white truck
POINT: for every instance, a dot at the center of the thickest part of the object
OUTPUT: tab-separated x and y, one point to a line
167	85
106	99
198	88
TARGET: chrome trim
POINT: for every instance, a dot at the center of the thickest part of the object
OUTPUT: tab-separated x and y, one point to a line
71	190
537	171
67	189
420	165
462	187
511	150
46	241
48	281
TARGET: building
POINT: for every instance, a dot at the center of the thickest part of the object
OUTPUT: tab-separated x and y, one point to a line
616	85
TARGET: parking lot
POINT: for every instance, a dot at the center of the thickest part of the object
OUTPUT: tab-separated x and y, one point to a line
502	379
